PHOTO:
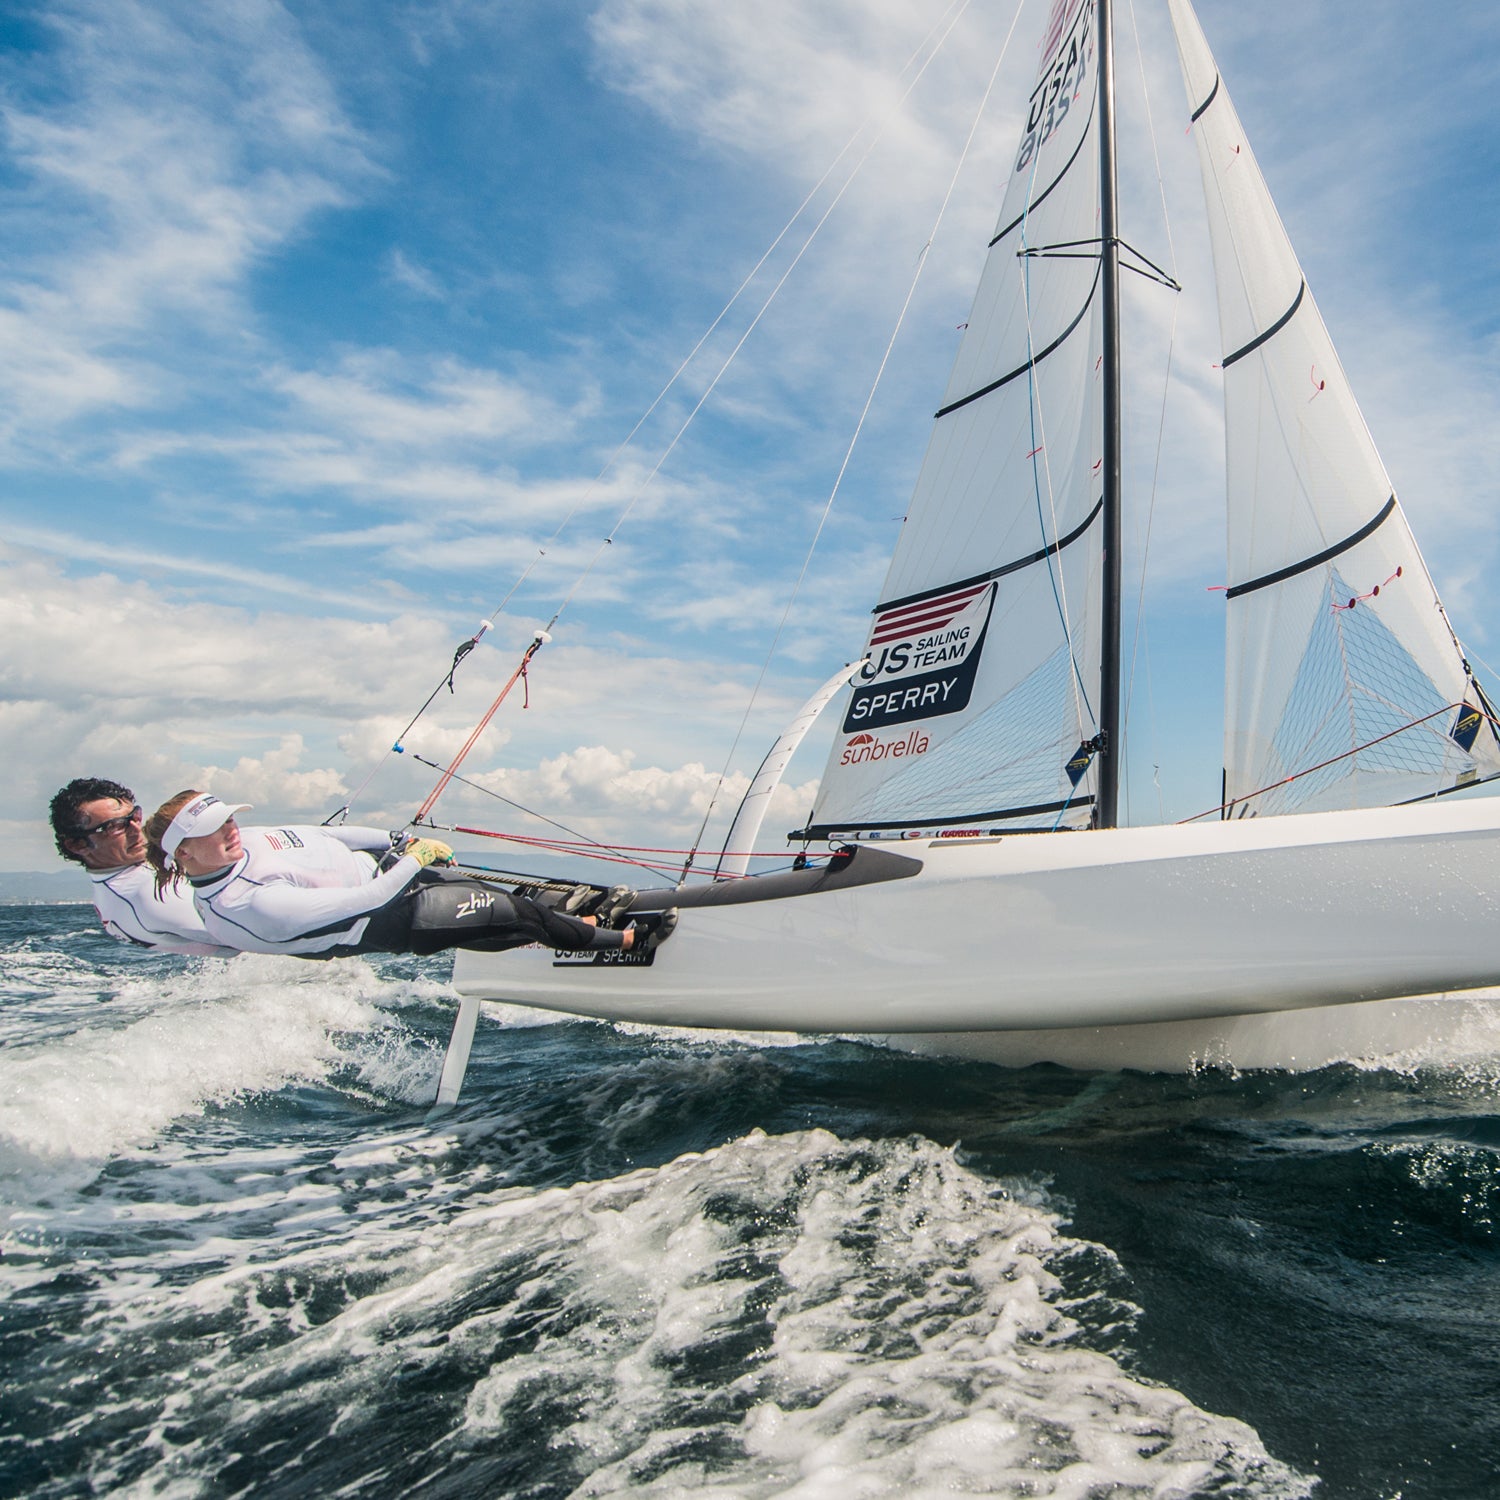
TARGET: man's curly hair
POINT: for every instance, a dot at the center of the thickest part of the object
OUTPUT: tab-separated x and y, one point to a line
66	823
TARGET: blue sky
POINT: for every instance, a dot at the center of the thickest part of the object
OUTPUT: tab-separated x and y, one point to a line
317	320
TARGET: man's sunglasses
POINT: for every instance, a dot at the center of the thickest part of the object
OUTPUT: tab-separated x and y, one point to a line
112	825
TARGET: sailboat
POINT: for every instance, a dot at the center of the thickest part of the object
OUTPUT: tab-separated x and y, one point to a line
980	896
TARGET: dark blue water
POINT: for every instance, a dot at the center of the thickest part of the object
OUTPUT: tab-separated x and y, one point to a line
239	1260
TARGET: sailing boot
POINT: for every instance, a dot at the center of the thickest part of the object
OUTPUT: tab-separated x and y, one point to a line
611	910
590	901
652	929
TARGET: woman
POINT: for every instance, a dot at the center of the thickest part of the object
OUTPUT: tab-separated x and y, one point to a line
321	892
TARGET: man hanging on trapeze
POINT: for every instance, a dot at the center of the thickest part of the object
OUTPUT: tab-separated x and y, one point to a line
97	824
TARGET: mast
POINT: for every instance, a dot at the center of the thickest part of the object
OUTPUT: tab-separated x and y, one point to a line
1109	691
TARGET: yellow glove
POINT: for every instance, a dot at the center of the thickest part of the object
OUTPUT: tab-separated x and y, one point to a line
429	852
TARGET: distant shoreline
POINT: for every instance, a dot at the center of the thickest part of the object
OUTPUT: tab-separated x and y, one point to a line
44	888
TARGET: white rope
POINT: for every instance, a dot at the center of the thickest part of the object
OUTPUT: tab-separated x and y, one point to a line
864	411
488	622
635	499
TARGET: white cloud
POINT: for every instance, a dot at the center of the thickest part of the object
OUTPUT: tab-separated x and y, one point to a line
604	790
275	778
162	567
788	79
416	278
291	711
176	146
452	403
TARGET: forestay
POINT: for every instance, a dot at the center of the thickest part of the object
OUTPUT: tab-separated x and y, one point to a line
1336	637
983	678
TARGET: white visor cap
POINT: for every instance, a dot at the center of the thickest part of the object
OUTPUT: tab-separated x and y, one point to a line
205	814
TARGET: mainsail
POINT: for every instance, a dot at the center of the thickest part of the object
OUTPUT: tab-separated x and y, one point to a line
1342	670
984	672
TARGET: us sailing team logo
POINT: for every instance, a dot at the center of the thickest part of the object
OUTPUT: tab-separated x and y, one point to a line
924	654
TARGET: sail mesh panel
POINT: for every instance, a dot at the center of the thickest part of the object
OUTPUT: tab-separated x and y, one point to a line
997	760
1356	683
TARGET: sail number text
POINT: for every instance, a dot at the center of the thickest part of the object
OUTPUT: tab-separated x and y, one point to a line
1055	95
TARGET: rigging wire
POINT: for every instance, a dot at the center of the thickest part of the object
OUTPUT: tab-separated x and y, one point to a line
530	812
465	647
754	322
605	545
859	425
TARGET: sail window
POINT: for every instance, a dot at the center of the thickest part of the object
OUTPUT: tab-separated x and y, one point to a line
1363	725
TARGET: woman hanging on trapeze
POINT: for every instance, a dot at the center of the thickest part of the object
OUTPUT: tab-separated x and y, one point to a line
318	892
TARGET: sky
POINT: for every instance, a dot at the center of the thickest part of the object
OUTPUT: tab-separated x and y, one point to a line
323	324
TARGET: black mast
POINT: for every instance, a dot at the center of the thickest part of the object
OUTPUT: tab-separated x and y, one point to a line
1109	692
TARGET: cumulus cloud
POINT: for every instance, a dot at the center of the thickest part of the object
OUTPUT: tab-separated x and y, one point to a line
293	712
604	790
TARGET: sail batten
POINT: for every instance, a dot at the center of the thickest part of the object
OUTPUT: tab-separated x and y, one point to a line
1318	558
1040	555
1032	360
1269	334
1202	109
1040	198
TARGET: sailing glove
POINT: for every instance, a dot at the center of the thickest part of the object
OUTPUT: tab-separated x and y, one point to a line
429	852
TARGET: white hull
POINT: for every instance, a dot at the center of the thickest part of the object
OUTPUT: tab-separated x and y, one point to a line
1114	932
1424	1030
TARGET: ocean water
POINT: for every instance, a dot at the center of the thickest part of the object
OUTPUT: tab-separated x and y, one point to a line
236	1258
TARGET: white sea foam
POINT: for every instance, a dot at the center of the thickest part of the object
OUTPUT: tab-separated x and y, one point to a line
1463	1040
819	1317
179	1041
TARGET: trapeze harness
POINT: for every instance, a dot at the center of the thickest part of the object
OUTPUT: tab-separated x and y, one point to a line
132	912
318	893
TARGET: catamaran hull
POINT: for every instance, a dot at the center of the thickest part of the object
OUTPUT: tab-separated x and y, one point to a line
1418	1030
1050	933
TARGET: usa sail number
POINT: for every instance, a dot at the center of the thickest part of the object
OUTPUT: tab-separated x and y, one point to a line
1054	96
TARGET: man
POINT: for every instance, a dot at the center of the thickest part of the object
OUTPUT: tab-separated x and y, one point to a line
97	824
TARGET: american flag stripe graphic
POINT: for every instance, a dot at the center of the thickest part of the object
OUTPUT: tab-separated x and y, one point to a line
925	615
1062	13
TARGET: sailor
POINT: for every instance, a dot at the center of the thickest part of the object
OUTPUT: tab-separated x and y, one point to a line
97	824
320	892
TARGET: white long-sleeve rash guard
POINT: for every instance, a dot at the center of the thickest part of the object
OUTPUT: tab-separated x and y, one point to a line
300	890
132	911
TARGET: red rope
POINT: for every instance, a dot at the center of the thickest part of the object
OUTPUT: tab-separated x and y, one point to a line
566	846
1374	593
479	729
1332	760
